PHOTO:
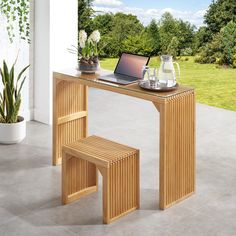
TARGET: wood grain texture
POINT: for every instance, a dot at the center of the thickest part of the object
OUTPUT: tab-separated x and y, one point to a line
120	187
79	178
177	128
177	149
132	90
119	166
69	115
99	150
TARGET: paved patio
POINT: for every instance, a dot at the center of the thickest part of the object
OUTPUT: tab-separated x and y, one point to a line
30	187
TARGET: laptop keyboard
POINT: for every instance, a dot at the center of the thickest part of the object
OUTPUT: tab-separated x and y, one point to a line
120	79
124	78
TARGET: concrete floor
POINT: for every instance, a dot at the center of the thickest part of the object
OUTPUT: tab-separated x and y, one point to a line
30	186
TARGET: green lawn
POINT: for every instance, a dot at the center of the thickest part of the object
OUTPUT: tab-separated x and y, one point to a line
214	86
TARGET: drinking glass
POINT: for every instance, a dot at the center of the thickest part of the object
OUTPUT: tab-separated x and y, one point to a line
150	75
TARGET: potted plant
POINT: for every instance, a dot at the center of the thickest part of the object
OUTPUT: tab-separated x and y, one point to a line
12	126
87	51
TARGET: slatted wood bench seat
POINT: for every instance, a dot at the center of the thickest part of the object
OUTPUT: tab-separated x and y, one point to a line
119	166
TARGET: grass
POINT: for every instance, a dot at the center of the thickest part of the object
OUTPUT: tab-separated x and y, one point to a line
214	86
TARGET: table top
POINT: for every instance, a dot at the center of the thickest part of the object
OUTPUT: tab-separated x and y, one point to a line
92	80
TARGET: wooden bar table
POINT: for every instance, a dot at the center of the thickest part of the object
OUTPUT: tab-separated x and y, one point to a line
177	127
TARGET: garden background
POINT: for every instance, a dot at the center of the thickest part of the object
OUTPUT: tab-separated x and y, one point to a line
207	55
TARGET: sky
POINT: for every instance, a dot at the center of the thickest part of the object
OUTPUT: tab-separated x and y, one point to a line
187	10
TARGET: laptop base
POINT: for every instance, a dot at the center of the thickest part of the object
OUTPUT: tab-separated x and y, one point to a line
117	79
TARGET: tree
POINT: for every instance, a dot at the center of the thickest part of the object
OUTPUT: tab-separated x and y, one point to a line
123	26
124	32
138	44
171	27
228	41
219	14
168	29
103	23
173	47
85	12
210	52
185	34
221	49
218	38
201	37
153	37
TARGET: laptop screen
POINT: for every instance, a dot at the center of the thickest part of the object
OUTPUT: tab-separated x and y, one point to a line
131	65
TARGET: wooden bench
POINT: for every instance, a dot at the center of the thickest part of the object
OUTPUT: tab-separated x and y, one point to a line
119	166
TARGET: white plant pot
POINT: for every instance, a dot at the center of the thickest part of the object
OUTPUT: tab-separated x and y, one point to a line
14	132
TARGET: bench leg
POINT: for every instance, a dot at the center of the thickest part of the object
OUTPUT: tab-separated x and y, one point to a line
79	178
177	149
120	188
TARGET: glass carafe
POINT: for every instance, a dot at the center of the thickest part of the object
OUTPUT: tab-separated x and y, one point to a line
166	73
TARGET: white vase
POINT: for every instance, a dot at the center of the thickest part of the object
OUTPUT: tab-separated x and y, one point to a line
14	132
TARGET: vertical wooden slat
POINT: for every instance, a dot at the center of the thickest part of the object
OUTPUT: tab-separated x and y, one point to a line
106	194
65	182
137	180
85	108
177	149
112	186
119	166
68	99
116	189
120	185
132	201
75	171
162	161
124	186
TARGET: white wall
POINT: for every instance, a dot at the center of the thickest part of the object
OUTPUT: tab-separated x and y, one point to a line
63	24
8	52
55	31
42	82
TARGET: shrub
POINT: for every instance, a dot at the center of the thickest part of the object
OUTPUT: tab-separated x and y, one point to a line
183	58
204	55
186	52
210	52
221	49
227	42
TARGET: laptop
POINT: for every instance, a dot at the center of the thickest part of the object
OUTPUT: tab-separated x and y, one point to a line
128	69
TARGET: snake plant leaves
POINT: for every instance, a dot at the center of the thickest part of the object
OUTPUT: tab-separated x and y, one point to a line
10	97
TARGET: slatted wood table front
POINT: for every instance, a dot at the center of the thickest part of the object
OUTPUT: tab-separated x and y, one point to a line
177	127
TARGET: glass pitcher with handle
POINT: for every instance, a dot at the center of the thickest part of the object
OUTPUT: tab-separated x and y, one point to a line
166	73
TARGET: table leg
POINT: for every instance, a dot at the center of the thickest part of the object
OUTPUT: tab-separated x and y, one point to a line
177	149
70	114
